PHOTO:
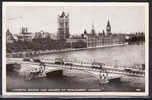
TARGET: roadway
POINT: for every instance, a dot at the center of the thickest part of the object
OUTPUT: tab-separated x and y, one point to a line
50	66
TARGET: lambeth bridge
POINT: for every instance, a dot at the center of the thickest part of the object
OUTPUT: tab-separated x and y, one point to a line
103	73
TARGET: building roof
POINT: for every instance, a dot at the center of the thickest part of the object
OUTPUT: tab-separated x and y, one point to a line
63	14
108	24
85	32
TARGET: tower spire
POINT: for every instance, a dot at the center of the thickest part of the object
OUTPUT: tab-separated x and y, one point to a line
93	30
85	31
108	24
108	28
93	27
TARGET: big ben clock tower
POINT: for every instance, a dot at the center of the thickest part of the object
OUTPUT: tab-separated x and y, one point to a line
108	29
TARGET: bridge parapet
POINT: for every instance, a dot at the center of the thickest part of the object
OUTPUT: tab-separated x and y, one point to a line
99	73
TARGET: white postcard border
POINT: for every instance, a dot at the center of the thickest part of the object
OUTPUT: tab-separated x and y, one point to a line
146	93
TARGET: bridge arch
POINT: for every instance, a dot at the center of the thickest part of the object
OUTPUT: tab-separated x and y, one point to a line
101	76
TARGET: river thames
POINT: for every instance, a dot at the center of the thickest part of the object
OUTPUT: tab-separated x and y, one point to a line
126	55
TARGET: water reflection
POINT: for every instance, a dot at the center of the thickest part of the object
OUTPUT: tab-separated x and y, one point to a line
120	55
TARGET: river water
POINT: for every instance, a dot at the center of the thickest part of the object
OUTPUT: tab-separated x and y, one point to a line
127	55
119	55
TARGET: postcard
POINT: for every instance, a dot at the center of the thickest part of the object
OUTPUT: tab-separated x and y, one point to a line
75	49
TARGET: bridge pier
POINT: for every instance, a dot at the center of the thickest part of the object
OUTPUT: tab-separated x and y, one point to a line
56	73
103	77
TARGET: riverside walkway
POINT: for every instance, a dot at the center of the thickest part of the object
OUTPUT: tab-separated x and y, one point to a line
34	53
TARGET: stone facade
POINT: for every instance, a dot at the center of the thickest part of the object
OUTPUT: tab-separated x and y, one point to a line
42	34
25	35
108	29
100	40
94	40
63	26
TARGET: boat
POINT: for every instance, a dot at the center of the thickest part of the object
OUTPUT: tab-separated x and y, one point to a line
106	77
55	73
13	69
115	80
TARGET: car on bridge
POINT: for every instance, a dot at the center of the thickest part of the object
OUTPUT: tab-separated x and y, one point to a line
128	70
68	64
59	61
27	59
36	60
97	65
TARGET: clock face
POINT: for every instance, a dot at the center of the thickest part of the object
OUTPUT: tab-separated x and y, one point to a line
108	28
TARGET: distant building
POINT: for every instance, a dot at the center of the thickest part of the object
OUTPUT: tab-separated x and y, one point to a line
93	31
25	35
85	32
76	38
71	40
101	39
63	26
42	34
15	36
53	36
9	37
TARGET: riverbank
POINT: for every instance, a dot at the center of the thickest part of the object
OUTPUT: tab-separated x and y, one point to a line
78	49
35	53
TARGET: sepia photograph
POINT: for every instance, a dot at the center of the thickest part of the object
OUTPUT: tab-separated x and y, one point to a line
75	49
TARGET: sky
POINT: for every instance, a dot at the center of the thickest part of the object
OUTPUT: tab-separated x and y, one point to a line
123	19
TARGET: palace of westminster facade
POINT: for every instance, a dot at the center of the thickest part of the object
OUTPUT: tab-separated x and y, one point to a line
92	39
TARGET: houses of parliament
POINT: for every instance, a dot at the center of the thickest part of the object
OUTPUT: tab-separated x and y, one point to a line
92	38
